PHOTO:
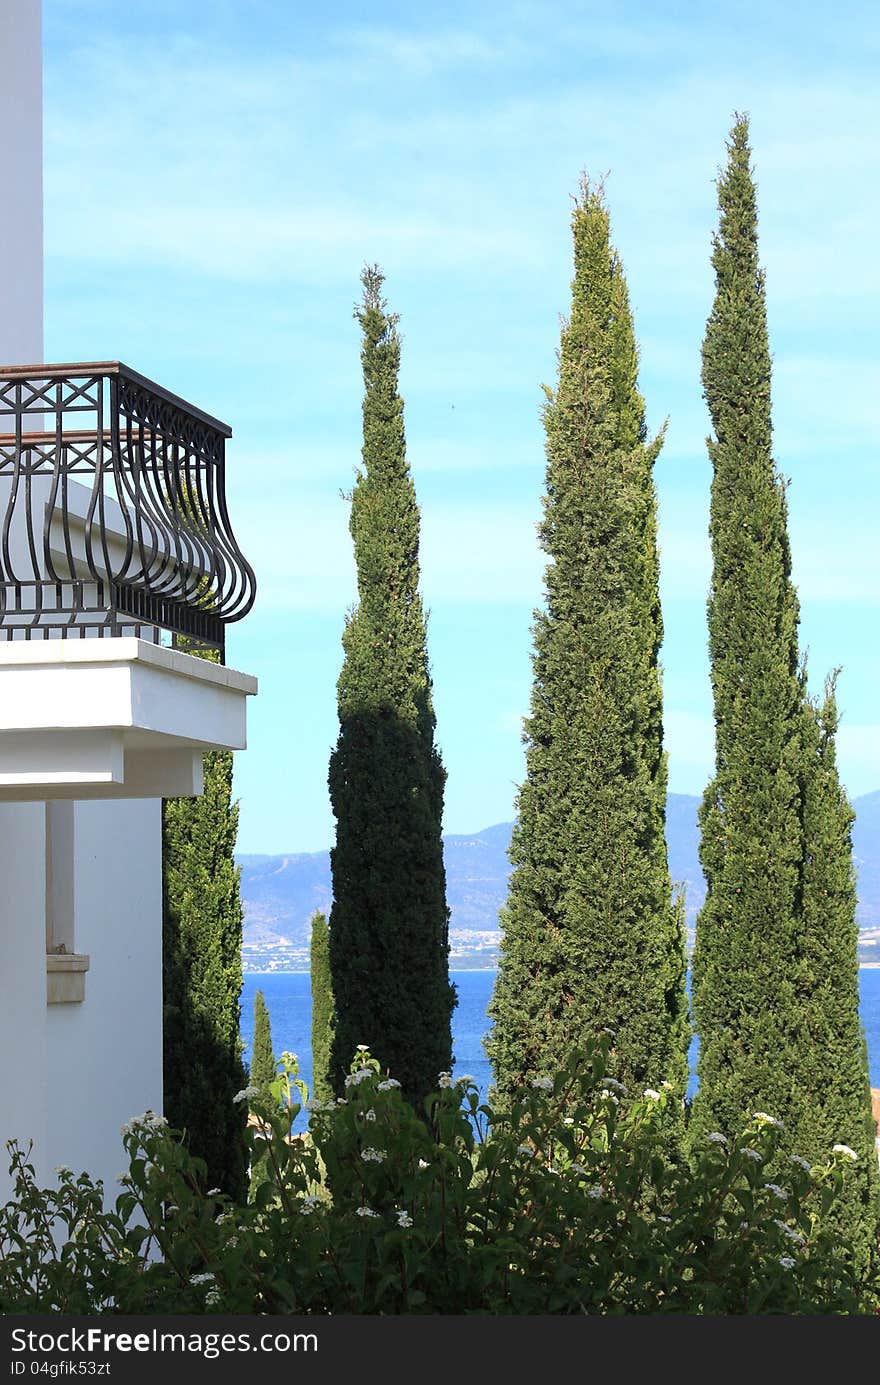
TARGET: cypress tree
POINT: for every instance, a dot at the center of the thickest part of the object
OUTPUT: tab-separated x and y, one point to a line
202	977
389	922
592	937
775	979
322	1008
262	1067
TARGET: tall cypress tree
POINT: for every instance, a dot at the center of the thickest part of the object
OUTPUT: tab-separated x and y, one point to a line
322	1007
262	1065
202	976
774	973
389	922
592	937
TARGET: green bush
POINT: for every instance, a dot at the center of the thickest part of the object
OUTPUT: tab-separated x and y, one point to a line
568	1202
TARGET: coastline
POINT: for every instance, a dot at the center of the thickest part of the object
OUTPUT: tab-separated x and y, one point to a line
280	971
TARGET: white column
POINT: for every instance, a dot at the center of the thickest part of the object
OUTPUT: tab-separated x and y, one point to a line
21	183
25	1083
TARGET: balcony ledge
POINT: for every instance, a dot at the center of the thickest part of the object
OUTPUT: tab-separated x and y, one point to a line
112	718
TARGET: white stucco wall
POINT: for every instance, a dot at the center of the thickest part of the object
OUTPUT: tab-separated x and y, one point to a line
69	1074
105	1054
72	1073
23	1071
21	183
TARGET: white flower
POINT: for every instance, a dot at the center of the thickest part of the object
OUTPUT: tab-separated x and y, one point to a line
388	1083
716	1138
610	1096
212	1298
543	1084
366	1212
649	1092
354	1078
768	1120
569	1120
613	1083
596	1191
444	1079
246	1093
404	1219
362	1048
577	1168
667	1221
373	1156
146	1124
370	1115
316	1104
464	1079
213	1192
526	1151
201	1279
846	1151
801	1162
789	1232
751	1154
786	1262
61	1170
423	1164
775	1189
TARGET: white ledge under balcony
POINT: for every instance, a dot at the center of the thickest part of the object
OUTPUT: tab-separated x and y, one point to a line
112	718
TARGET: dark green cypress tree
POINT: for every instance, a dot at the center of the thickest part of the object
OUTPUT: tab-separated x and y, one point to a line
774	973
202	976
262	1066
831	1094
322	1008
389	922
592	937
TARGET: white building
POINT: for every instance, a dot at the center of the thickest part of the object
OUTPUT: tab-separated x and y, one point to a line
97	721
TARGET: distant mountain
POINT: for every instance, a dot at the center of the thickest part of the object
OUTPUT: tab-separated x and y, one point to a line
280	893
866	853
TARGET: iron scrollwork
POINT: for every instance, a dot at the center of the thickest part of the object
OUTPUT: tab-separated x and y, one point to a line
113	504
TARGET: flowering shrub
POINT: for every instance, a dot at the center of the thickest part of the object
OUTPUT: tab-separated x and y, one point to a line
567	1203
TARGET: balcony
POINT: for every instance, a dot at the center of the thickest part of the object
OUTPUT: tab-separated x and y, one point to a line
113	523
113	504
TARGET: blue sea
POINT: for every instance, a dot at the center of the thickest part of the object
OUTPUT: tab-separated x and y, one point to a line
288	999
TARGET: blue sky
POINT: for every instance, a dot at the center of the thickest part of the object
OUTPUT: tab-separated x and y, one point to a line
216	174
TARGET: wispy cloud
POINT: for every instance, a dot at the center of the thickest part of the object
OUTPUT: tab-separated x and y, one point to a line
215	181
306	560
420	53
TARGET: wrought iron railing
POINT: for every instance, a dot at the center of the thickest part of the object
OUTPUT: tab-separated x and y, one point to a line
113	505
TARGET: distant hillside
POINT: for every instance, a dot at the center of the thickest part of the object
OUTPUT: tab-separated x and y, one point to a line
281	893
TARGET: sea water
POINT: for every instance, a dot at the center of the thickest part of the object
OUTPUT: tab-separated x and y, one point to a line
288	999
